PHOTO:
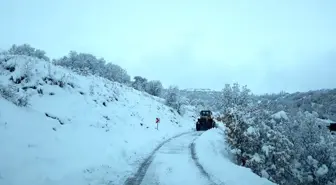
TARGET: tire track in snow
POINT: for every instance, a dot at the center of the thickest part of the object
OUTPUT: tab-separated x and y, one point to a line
138	177
212	180
140	174
198	165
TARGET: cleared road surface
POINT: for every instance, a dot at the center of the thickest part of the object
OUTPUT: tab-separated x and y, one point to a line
174	162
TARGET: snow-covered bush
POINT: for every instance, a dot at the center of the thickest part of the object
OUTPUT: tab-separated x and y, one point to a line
206	98
174	99
278	153
139	83
7	92
266	151
332	108
61	81
292	150
237	134
82	63
11	94
235	97
88	64
27	70
172	96
320	101
154	88
27	50
278	135
314	148
115	73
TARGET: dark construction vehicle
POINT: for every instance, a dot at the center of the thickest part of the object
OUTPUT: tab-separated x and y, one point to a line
205	121
332	127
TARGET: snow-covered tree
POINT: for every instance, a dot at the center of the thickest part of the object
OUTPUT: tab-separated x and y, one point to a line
315	150
266	151
236	131
174	99
154	87
88	64
115	73
182	103
172	96
82	63
139	83
278	153
320	101
27	50
235	97
295	148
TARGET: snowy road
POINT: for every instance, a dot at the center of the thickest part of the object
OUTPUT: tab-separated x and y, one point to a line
173	163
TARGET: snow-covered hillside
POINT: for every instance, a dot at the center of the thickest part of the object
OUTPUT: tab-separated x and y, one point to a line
75	128
60	128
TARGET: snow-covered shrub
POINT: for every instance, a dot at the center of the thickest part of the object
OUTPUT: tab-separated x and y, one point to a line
266	151
174	99
62	81
278	153
19	72
91	89
320	101
82	63
3	64
22	101
296	150
115	73
235	97
237	136
11	94
275	135
139	83
154	88
27	50
209	99
27	70
7	92
88	64
314	148
332	108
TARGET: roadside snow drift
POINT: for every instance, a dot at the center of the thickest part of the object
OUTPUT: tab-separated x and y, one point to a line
75	129
213	155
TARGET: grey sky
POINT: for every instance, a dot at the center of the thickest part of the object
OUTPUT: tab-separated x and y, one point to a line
267	45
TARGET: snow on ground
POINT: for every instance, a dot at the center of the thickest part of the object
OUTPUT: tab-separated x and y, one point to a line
327	121
213	155
76	129
172	164
88	130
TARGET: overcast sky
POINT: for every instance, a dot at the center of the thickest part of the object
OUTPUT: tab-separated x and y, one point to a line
267	45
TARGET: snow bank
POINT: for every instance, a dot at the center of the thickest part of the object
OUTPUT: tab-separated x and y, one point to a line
76	129
327	121
215	158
